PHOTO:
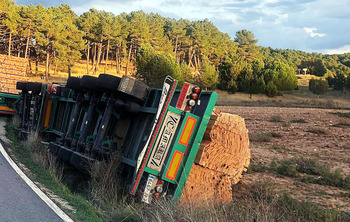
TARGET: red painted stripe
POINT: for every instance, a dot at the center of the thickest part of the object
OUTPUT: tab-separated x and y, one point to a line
182	95
152	141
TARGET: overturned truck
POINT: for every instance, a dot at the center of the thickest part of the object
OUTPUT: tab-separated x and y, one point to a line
156	132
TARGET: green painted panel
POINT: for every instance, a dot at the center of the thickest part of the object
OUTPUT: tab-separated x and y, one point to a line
195	147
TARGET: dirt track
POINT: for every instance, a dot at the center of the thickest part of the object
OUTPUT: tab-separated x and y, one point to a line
328	142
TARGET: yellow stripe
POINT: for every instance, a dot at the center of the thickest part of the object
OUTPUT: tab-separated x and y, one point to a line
185	137
174	165
5	108
47	114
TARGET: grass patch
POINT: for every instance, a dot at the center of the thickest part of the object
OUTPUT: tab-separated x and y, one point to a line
257	167
346	115
284	168
44	169
276	119
316	131
316	172
298	121
341	125
256	202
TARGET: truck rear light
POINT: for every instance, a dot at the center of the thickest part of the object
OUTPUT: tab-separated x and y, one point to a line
157	195
191	102
194	96
159	189
196	89
159	182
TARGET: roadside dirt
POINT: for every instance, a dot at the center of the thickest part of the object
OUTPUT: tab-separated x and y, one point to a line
300	132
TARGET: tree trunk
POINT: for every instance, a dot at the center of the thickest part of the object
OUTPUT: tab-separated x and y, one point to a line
69	70
19	50
117	59
27	44
176	42
36	65
47	65
55	71
88	57
190	56
94	60
127	62
107	51
99	53
10	43
30	67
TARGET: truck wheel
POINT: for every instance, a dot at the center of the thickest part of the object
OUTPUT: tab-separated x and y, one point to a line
34	86
74	83
89	83
108	82
21	85
133	89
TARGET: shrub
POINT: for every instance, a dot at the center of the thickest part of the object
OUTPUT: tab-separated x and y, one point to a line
298	121
316	131
153	67
339	82
209	76
271	90
287	168
318	86
276	119
345	115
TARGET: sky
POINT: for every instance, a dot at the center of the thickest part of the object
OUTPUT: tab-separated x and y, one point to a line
321	26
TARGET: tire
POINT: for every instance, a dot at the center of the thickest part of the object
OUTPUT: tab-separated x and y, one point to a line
89	83
108	82
133	89
34	86
74	83
21	85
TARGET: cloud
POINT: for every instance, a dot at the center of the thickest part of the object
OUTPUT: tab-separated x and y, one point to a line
312	32
309	25
340	50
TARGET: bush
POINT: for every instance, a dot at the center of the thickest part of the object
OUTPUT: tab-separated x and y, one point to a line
276	119
281	74
251	83
318	86
271	90
209	77
287	168
339	82
153	67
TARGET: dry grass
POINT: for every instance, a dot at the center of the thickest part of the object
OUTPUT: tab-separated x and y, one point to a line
256	202
79	69
105	187
297	98
42	157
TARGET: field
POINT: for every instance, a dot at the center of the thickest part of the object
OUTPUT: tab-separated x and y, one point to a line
304	151
79	69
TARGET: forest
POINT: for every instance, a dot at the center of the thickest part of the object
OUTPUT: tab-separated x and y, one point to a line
195	51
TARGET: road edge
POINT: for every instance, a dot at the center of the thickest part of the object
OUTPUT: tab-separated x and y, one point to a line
34	187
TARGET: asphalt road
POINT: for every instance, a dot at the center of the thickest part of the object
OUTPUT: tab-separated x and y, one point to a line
18	202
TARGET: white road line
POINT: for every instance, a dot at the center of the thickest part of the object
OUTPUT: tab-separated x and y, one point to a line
36	189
